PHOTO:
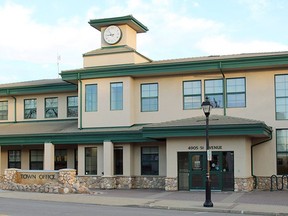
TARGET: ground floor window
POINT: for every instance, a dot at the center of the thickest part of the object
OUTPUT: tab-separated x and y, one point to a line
90	161
14	159
282	151
60	159
150	161
36	159
118	161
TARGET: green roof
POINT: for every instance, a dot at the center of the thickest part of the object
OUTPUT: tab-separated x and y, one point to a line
67	131
129	20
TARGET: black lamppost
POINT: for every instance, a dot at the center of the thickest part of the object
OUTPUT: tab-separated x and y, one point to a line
206	106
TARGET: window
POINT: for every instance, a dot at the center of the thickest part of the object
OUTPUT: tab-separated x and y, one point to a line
51	107
118	161
236	96
149	97
192	94
282	151
281	85
214	91
14	159
30	108
91	161
72	106
36	159
116	100
149	161
3	110
91	98
60	159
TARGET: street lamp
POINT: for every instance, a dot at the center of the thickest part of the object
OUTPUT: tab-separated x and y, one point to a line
206	106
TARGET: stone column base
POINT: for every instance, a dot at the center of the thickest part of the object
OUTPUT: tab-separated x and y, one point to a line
108	182
171	184
243	184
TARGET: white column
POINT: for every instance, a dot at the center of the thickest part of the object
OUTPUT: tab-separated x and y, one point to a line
1	162
108	158
127	160
48	156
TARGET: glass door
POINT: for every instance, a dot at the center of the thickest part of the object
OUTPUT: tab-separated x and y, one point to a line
197	170
216	171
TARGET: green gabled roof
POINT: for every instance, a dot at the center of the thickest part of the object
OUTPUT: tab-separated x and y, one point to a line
36	87
218	126
67	131
199	65
129	20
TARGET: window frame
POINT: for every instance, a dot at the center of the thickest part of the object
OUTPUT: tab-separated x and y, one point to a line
149	97
280	97
191	95
116	104
33	110
279	152
38	163
235	92
90	104
86	170
72	107
17	163
55	109
4	112
214	94
151	161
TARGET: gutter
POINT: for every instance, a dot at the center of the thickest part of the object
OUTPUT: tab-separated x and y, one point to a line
224	89
80	102
15	109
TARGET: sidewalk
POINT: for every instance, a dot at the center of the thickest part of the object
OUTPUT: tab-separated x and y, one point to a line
256	202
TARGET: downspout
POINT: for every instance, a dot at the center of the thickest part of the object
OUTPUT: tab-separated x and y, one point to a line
15	107
80	102
224	89
252	147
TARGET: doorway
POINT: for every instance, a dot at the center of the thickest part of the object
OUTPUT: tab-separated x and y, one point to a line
192	167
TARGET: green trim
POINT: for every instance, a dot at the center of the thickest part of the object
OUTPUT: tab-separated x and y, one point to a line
80	102
179	67
38	89
129	20
214	130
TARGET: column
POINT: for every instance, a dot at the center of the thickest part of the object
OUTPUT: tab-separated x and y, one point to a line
48	156
127	160
108	158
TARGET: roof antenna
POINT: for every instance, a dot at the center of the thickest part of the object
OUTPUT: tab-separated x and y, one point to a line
58	64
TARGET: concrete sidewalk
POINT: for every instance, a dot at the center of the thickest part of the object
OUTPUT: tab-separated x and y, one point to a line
256	202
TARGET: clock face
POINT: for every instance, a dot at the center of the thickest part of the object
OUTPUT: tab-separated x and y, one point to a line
112	34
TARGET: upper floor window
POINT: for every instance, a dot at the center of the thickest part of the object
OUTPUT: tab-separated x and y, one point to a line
192	94
214	91
30	108
236	96
51	107
72	106
3	110
282	151
116	100
281	92
149	97
91	98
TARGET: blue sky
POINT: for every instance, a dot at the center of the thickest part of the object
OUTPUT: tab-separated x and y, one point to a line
35	32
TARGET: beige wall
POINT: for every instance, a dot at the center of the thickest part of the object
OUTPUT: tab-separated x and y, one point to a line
240	146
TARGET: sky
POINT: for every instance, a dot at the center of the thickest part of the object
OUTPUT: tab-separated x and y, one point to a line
39	38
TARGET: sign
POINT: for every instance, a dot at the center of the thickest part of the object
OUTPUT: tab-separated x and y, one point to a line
37	177
202	148
209	155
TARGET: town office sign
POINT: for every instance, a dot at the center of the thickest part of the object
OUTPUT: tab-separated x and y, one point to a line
37	177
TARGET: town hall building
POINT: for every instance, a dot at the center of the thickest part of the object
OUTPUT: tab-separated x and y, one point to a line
126	121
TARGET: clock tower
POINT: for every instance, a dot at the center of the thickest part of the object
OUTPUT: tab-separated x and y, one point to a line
118	42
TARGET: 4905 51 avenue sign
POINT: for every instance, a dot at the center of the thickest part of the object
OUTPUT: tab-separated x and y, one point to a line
37	177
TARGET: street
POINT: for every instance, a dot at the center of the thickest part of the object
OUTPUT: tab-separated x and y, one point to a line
20	207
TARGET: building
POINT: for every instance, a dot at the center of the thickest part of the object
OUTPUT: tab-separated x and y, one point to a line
125	121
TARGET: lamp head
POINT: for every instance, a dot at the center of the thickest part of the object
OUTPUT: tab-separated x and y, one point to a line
206	106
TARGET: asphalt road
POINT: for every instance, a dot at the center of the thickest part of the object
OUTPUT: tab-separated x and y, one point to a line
20	207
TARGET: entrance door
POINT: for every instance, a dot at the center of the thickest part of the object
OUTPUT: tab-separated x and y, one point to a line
216	171
192	168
